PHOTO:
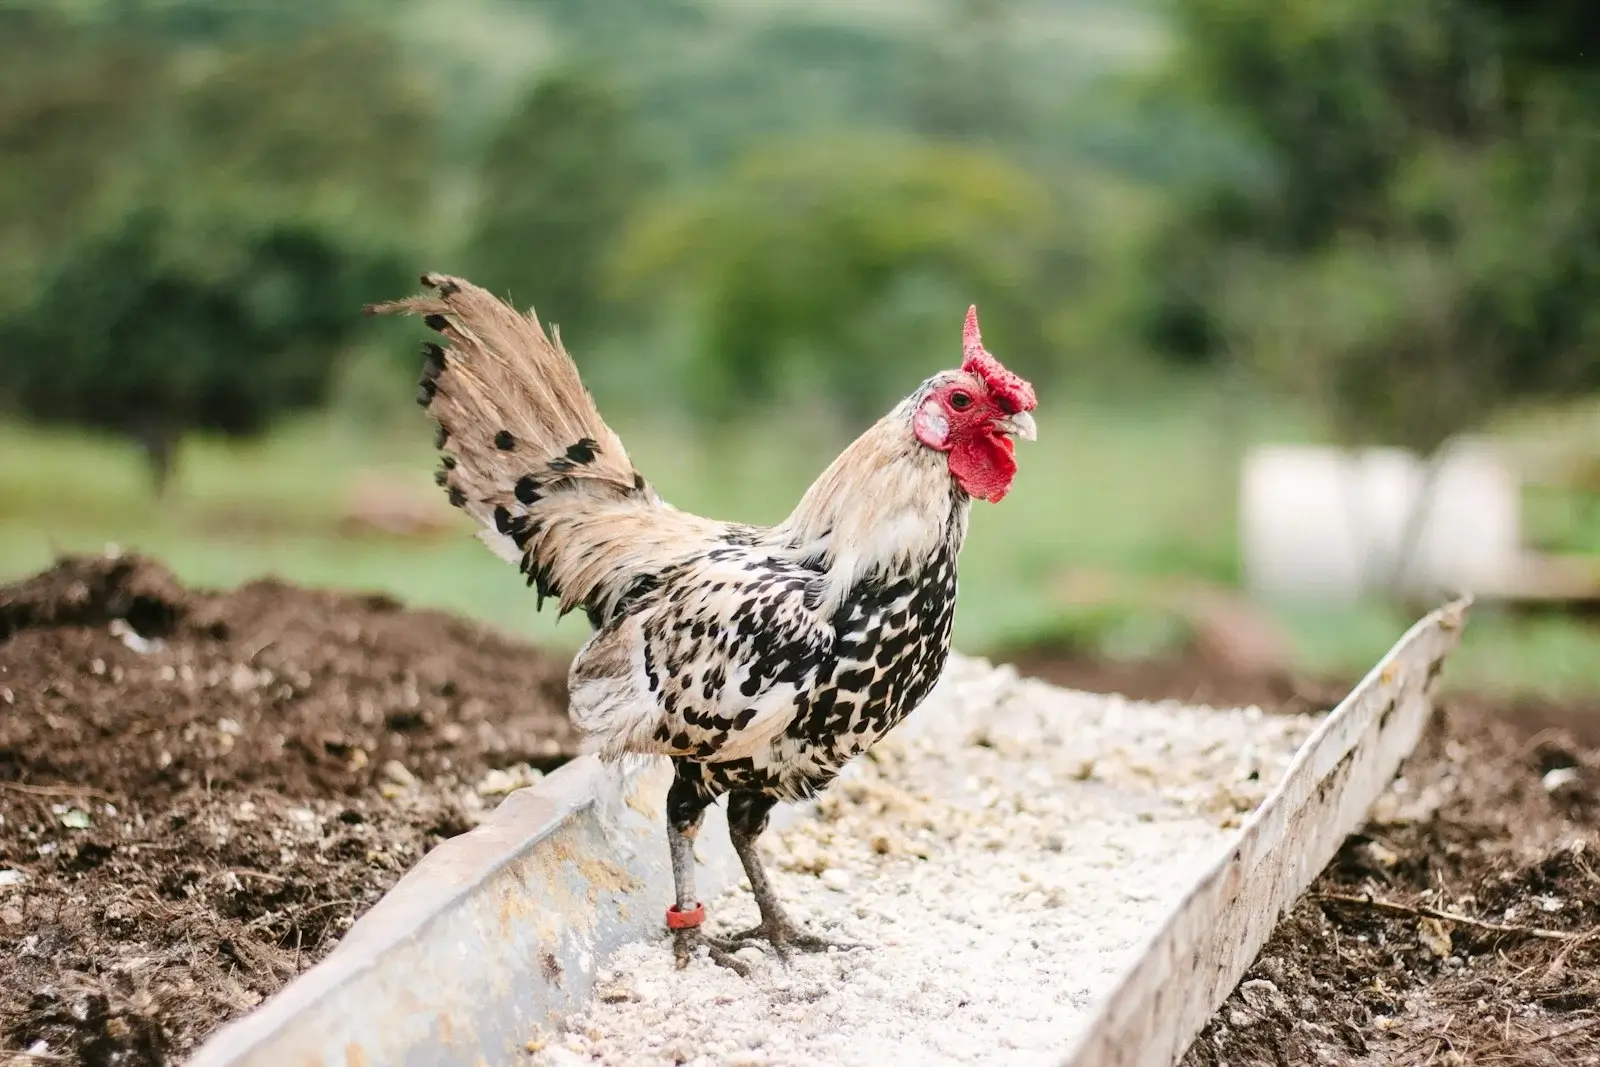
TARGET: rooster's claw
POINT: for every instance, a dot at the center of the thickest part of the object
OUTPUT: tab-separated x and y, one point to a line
783	938
685	941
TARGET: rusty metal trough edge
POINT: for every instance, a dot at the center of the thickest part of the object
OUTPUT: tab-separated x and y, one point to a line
492	935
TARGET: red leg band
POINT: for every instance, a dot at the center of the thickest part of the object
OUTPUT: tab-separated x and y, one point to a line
685	920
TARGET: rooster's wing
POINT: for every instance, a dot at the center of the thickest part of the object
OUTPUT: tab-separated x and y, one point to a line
709	659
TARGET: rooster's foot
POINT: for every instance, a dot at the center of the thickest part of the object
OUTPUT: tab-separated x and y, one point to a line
685	942
784	938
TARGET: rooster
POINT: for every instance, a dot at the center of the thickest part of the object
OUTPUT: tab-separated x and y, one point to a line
760	660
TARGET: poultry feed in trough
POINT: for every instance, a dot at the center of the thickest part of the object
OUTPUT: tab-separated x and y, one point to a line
999	862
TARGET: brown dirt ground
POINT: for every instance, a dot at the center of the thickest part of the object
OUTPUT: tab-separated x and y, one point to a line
1481	830
201	792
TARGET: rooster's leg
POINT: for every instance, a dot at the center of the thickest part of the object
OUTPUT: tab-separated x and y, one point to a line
747	818
686	809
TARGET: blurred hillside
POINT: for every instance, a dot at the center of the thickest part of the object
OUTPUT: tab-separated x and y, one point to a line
1196	224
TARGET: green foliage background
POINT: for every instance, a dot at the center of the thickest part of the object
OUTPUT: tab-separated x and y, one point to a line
758	225
1358	202
1421	243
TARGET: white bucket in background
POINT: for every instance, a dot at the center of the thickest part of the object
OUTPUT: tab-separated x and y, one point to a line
1326	523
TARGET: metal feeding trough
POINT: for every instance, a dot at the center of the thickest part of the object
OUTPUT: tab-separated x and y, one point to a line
499	933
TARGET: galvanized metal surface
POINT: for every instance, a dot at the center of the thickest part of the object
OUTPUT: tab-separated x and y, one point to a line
1206	944
492	933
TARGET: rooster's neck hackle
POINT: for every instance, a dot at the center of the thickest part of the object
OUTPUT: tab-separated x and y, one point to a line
884	506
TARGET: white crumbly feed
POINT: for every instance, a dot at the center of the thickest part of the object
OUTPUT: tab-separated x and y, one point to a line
1001	857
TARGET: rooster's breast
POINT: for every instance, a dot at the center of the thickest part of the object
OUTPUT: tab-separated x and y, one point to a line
892	640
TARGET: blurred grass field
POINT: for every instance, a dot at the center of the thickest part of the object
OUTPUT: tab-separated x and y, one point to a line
1128	493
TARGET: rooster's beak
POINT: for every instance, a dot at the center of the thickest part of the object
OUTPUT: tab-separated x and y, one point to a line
1020	425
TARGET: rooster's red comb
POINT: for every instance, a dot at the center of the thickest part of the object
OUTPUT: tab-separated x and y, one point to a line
1013	393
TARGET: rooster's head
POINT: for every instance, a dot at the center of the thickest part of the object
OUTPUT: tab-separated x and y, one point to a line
972	414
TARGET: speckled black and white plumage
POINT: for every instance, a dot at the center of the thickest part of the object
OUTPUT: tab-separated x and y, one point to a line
875	660
760	659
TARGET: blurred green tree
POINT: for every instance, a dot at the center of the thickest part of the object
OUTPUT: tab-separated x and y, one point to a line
556	188
330	126
74	112
207	272
966	85
849	256
206	23
1419	242
327	125
132	336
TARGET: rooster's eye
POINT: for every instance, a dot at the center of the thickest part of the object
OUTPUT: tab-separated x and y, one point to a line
960	401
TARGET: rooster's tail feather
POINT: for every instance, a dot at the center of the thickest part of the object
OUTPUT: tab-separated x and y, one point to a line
524	449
